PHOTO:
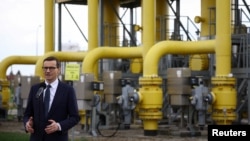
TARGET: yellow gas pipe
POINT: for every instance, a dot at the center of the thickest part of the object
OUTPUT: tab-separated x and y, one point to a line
93	30
49	25
223	92
109	52
92	24
207	18
5	92
62	56
149	110
223	83
148	25
161	10
174	47
49	46
199	62
150	107
110	17
94	55
5	63
4	83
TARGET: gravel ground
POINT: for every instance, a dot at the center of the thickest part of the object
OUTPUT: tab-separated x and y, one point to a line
134	133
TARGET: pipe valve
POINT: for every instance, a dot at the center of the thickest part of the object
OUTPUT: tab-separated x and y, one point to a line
209	98
135	97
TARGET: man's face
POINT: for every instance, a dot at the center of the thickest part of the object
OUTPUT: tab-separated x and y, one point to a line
50	70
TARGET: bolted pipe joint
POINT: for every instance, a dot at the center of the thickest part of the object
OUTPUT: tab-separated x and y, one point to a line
5	92
151	104
224	100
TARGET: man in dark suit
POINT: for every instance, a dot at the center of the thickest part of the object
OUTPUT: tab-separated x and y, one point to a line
51	124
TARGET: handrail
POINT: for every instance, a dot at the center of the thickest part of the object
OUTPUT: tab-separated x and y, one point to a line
242	11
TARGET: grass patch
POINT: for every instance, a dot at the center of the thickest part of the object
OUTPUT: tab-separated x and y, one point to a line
13	136
16	136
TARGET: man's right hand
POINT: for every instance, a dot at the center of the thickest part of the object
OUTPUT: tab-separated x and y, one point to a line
29	125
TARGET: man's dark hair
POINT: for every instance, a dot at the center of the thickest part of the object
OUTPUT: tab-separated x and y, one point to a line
52	58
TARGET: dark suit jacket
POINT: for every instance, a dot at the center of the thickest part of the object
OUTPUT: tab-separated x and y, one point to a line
64	110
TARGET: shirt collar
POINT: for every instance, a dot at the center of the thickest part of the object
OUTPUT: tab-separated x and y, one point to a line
53	84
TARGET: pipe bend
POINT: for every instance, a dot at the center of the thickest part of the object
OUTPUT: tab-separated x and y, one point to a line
153	56
109	52
62	56
5	63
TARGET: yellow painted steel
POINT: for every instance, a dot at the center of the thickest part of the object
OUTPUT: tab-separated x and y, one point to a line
109	52
49	46
148	25
225	102
111	30
109	13
207	21
139	100
223	83
223	38
82	114
199	62
149	109
207	18
93	28
5	93
213	97
8	61
62	56
199	19
137	28
4	83
161	10
92	24
49	36
84	120
223	90
150	106
150	64
136	65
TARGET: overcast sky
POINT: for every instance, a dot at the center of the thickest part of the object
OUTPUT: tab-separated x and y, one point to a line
22	28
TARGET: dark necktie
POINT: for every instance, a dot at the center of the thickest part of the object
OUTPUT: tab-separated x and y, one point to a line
46	100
